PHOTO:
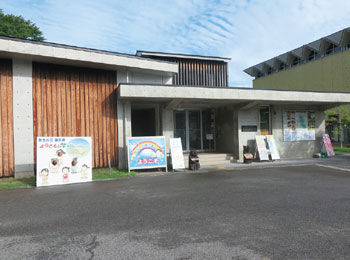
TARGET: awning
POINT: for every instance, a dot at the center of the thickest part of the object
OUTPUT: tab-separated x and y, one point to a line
223	96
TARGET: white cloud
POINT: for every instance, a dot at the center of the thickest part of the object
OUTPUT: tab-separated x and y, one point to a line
247	31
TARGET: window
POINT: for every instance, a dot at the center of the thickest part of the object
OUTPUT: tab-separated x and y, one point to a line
265	120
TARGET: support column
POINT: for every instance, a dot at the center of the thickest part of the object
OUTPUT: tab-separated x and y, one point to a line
120	117
124	132
168	126
23	118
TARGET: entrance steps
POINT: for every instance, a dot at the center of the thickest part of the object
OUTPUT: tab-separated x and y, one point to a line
212	159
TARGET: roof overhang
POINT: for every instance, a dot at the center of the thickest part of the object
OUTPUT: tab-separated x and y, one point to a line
180	56
58	53
224	96
338	38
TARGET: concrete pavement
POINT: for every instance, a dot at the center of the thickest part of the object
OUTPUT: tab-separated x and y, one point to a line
300	212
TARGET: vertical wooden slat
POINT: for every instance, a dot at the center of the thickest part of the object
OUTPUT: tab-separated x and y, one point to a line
86	106
69	104
100	129
91	113
59	102
44	100
104	118
82	104
77	105
2	86
48	103
96	116
4	115
10	119
108	118
64	103
73	102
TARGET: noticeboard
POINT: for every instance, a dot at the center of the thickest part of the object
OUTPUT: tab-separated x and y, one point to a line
328	145
63	160
146	152
177	157
299	125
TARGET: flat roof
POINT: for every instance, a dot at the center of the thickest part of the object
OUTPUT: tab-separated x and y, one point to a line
41	50
180	56
230	95
317	49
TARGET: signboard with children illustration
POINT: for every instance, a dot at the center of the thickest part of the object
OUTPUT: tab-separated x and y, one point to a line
63	160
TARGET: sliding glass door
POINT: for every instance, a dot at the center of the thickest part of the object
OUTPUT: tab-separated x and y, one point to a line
194	127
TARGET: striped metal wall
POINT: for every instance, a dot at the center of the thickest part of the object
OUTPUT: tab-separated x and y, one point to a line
201	73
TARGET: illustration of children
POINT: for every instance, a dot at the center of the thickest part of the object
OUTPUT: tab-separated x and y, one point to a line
44	174
54	165
84	171
65	174
60	154
74	168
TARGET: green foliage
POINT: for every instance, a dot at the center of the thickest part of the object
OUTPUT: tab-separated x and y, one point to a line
17	26
342	118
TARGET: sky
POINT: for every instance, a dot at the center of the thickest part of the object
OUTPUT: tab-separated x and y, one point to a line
247	31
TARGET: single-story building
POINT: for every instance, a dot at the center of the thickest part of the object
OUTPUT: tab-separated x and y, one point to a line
52	89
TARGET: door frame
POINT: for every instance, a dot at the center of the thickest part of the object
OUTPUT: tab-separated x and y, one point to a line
187	130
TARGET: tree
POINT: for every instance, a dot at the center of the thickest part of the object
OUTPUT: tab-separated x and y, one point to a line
16	26
339	117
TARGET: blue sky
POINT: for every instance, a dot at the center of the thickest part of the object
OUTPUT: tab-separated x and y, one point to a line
247	31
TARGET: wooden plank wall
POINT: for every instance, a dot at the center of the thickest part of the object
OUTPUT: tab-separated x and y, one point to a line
202	73
6	120
70	101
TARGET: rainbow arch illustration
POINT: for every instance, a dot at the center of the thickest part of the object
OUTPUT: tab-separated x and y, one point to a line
146	145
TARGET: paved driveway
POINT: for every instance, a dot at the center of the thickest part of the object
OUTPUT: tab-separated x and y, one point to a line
300	212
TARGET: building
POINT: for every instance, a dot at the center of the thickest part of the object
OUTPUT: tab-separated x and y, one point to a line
321	65
51	89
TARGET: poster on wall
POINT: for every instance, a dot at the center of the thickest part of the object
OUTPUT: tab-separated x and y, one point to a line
177	156
63	160
298	125
261	145
146	152
275	155
328	145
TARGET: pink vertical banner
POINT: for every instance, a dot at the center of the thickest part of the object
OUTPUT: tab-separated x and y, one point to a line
328	144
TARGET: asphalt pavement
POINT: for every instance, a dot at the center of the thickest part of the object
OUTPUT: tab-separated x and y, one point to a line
290	212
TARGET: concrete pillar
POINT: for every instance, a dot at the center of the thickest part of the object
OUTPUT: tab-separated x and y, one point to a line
124	132
23	118
168	126
120	118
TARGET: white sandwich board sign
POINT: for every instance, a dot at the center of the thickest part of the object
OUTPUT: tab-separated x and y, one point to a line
177	157
261	145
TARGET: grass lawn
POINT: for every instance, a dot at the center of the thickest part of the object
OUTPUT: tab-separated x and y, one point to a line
97	174
11	182
342	150
103	173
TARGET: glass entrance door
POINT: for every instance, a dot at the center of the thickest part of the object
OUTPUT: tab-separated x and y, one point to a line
194	127
194	122
180	127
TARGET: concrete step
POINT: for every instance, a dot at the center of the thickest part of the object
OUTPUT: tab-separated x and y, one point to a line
207	159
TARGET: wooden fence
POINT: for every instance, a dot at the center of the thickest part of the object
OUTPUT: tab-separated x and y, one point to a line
70	101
